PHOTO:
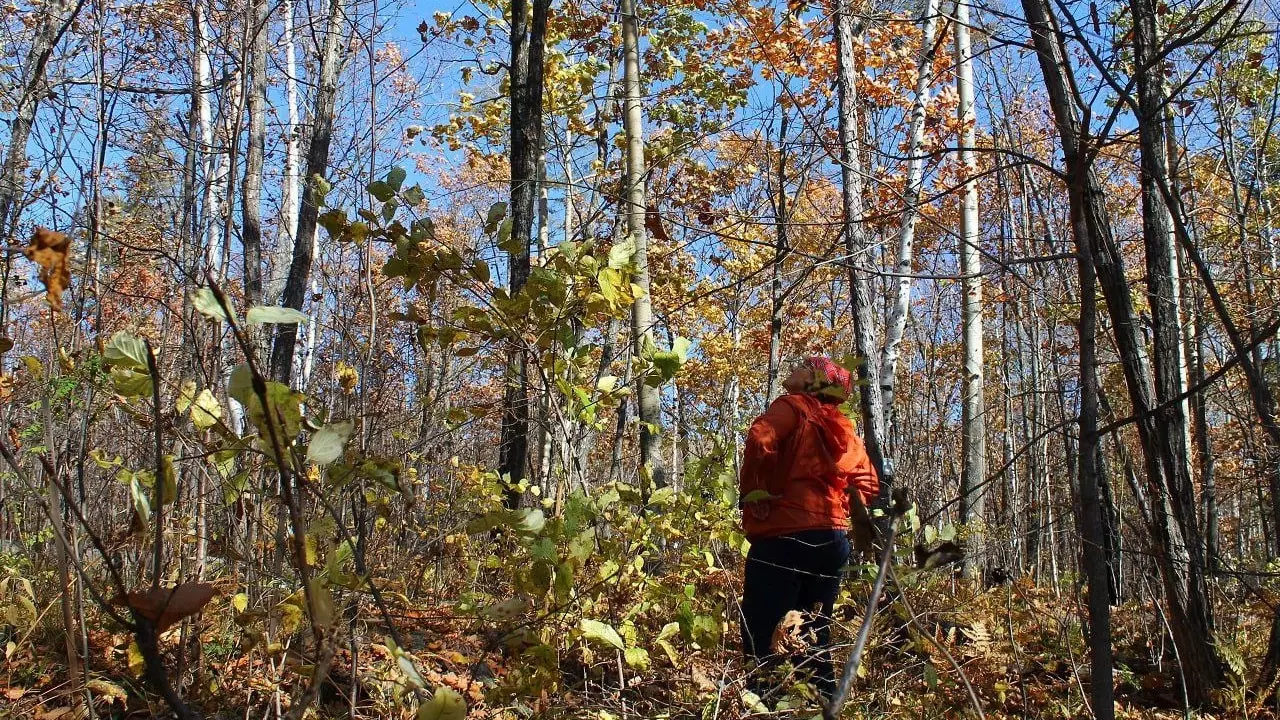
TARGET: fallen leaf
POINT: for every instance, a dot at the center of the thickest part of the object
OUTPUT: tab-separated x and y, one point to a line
51	250
168	606
15	693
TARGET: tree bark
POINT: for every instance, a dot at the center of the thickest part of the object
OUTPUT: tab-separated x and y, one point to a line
973	413
648	398
856	245
897	325
527	50
251	194
322	112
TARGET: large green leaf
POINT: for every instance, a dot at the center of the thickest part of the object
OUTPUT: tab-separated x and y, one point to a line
275	315
126	350
326	445
206	303
446	704
396	177
601	632
205	410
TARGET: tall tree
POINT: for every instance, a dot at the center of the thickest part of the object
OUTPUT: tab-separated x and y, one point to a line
527	52
648	398
317	165
973	413
251	196
896	327
856	245
1188	612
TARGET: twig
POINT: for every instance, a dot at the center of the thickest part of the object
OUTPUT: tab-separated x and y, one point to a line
831	709
154	372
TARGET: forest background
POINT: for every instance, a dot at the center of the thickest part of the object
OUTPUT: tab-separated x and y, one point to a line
364	359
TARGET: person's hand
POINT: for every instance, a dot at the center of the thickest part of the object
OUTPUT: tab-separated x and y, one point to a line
862	531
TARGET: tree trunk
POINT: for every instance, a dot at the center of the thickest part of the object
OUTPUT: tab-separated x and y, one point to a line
896	328
777	297
282	351
648	398
973	415
856	245
251	195
527	50
281	256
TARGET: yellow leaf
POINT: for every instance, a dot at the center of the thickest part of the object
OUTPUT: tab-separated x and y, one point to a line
136	663
447	704
205	410
239	602
108	690
186	395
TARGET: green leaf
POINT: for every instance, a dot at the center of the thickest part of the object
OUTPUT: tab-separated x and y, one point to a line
320	188
284	412
757	495
326	445
126	351
446	704
138	497
497	212
240	384
396	177
130	382
206	303
601	632
276	315
334	222
622	254
322	599
414	196
206	411
637	658
186	396
381	191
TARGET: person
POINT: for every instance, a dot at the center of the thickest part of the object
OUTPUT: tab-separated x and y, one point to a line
801	464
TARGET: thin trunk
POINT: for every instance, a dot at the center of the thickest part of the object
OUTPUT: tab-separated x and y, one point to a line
896	327
780	247
648	398
251	200
974	447
527	50
288	232
322	116
856	246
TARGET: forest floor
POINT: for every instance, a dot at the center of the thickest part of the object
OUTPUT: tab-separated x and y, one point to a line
1020	647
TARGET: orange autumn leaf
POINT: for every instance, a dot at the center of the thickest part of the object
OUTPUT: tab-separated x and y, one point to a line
168	606
51	250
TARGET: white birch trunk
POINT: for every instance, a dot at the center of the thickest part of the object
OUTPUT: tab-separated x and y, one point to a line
897	324
974	470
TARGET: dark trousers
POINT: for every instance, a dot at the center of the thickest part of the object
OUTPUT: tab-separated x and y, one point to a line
800	571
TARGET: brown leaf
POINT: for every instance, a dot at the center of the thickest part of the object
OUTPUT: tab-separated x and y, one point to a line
51	250
787	636
15	693
653	223
167	606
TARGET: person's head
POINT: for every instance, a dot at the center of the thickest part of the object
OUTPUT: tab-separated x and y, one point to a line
821	378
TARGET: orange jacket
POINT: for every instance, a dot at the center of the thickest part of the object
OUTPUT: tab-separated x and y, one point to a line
807	458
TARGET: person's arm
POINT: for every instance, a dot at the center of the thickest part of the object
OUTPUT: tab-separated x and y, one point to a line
764	440
863	477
